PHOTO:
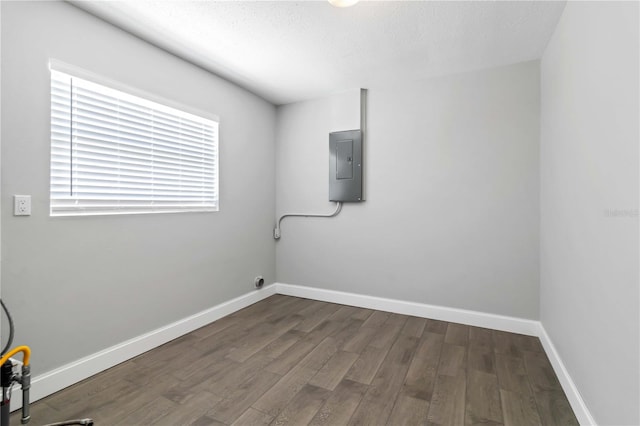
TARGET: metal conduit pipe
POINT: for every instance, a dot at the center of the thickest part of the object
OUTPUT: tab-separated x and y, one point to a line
276	230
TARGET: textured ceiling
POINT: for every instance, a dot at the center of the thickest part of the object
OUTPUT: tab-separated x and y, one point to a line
288	51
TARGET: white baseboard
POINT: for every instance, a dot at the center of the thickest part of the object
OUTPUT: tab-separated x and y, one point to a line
62	377
573	395
461	316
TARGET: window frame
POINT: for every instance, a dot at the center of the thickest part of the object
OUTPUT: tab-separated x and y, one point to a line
117	204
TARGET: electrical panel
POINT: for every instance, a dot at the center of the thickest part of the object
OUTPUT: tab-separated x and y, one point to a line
345	166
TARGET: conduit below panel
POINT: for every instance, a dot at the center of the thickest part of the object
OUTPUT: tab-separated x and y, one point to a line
276	230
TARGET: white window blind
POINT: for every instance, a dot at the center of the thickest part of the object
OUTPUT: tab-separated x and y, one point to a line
115	153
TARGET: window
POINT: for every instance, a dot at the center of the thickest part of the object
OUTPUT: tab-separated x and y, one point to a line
115	153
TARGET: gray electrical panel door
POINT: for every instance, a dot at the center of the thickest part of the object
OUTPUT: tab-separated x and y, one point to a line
345	166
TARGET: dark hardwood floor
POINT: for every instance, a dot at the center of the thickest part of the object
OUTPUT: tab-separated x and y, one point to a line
295	361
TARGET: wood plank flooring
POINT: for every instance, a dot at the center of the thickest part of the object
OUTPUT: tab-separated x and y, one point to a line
287	360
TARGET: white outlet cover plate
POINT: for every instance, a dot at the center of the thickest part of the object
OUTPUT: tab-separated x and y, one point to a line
22	205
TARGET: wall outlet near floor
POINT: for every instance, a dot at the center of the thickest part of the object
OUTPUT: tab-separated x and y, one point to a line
22	205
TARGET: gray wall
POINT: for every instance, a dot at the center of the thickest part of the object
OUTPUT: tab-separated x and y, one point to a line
589	204
452	212
79	285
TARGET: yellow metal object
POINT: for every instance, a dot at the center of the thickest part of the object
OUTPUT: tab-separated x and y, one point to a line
26	354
